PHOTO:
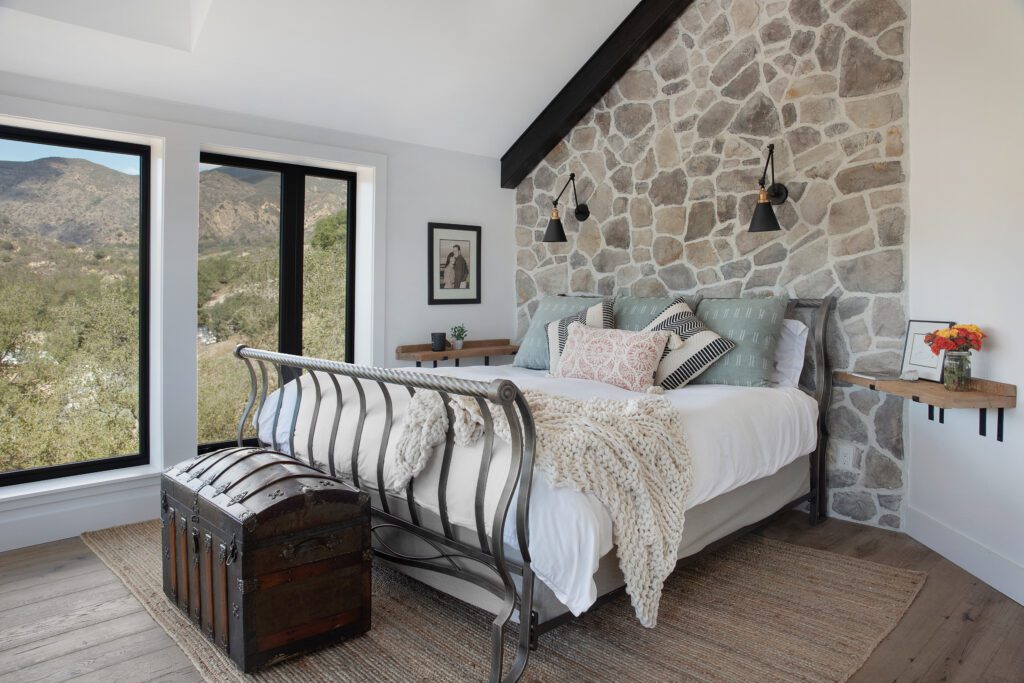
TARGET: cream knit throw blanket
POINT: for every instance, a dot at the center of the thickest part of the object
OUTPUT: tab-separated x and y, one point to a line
631	455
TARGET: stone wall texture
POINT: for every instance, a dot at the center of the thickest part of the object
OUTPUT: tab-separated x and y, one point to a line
668	162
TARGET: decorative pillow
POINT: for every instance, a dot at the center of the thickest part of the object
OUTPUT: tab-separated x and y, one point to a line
692	347
637	312
599	315
790	354
533	348
620	357
754	325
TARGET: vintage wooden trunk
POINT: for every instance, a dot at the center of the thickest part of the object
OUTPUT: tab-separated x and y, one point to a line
268	556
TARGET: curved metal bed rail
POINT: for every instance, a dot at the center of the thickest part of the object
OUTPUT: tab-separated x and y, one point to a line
448	549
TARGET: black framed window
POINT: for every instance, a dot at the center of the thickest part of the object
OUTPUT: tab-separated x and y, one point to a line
74	305
276	271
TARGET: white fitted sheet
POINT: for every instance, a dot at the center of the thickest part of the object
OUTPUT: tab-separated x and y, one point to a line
735	435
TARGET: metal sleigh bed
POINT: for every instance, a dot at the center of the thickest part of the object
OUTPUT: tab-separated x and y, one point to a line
481	560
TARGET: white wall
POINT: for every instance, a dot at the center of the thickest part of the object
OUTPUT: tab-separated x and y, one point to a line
966	496
401	188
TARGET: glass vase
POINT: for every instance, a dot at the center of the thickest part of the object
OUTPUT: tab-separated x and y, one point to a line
956	370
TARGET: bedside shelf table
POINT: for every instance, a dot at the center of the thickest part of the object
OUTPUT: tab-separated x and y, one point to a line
478	348
984	394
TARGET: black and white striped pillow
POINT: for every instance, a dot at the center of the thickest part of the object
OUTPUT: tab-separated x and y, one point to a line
600	315
692	348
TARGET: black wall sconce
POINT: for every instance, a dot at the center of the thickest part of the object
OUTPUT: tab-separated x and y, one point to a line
555	231
764	219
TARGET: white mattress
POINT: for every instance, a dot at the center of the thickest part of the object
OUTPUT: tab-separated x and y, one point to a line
735	435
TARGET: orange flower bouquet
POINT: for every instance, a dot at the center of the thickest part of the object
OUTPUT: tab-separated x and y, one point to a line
958	342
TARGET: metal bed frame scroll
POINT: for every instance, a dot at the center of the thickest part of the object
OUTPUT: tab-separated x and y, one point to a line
452	554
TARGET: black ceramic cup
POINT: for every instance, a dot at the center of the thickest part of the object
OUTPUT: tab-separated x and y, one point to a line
438	341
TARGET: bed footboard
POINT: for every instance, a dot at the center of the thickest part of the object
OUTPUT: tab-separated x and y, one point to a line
448	553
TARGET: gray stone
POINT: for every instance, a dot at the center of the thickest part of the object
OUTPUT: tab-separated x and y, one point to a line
582	281
700	221
894	141
527	215
588	240
666	250
817	84
678	277
716	118
715	31
841	479
846	215
701	254
851	307
864	399
881	472
553	279
726	207
670	220
868	176
744	83
802	139
577	260
857	243
890	501
875	112
776	31
649	286
802	42
558	156
607	260
674	64
526	260
583	138
525	288
891	42
880	362
763	277
757	117
770	72
773	253
606	285
806	260
891	521
863	72
873	273
837	129
675	87
807	12
858	336
852	144
524	192
871	17
616	232
741	54
857	505
669	187
641	213
702	165
818	110
891	224
889	425
632	118
744	15
788	114
622	179
638	84
887	317
829	47
816	286
844	423
814	204
736	269
742	180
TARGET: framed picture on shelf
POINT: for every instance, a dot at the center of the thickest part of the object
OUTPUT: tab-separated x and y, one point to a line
453	264
917	355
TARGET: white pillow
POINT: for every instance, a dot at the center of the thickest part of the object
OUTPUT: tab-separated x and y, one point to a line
789	354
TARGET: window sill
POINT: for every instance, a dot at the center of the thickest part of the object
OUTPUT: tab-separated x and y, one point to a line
69	488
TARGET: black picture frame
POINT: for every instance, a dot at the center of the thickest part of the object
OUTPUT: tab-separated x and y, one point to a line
930	325
437	293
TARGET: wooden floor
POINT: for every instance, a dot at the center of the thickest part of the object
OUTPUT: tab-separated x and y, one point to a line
65	616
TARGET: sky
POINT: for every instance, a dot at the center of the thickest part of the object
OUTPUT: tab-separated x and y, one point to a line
15	150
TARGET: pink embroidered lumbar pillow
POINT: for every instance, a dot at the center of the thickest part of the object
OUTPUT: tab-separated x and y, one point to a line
620	357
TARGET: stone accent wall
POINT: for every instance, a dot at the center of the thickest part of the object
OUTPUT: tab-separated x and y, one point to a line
669	159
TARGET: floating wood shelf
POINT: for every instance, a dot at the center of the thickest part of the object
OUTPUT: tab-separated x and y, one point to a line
478	348
984	394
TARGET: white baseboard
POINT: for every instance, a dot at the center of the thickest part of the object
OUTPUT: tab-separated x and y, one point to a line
50	516
998	571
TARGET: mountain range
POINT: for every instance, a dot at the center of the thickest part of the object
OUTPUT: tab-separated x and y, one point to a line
79	202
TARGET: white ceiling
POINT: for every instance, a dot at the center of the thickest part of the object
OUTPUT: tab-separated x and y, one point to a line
467	75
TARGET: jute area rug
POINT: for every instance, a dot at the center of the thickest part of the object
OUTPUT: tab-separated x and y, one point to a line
759	610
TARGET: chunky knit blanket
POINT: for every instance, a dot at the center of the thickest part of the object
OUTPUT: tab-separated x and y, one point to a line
632	455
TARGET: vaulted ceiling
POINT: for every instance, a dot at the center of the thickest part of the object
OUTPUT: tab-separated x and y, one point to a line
467	75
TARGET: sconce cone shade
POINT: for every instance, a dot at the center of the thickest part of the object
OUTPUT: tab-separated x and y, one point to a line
555	231
764	219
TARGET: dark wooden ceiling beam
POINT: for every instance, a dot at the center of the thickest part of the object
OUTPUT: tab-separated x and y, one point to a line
637	32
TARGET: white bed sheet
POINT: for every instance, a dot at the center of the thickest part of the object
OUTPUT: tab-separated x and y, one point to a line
735	435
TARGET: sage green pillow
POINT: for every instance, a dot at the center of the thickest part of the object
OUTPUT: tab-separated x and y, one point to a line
754	325
533	349
636	312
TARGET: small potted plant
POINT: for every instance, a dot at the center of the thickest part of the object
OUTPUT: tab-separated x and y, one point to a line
958	342
458	336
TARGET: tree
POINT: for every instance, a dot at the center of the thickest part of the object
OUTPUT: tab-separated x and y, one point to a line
329	231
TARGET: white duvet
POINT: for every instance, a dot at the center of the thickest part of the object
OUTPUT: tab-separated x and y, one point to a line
735	434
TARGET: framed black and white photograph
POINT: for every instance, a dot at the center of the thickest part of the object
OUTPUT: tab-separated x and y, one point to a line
917	355
453	258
